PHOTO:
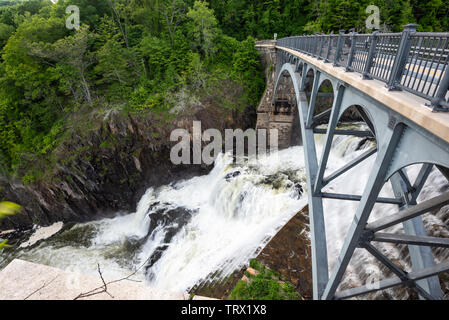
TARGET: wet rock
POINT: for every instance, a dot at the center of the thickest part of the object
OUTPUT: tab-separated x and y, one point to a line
153	259
232	175
42	234
362	144
171	221
99	179
299	189
289	253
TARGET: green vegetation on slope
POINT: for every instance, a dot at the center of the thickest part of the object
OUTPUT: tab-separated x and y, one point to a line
135	56
266	285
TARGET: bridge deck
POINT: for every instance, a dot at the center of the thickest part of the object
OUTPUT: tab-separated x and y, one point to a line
407	104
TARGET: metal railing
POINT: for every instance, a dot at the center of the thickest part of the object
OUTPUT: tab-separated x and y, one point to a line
413	61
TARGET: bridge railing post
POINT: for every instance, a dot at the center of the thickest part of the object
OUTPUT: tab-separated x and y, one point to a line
329	47
339	48
306	43
352	52
309	45
439	102
401	58
312	45
315	45
371	56
320	52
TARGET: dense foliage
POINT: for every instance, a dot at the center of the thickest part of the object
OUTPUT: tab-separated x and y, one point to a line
266	285
141	55
135	55
260	19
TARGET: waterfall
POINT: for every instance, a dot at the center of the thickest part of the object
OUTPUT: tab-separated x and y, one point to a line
207	227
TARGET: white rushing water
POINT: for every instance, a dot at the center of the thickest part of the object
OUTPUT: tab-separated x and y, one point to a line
339	215
207	227
216	222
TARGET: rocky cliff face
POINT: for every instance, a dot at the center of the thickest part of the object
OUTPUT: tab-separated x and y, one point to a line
108	169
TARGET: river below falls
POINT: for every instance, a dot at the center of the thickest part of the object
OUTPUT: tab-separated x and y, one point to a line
204	229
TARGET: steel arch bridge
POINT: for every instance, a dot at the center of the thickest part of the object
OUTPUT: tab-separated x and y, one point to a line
369	73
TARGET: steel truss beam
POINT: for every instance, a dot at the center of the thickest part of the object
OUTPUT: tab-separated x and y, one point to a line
351	197
333	121
355	133
315	120
396	270
409	213
414	240
349	166
370	195
393	134
421	180
393	282
421	256
320	270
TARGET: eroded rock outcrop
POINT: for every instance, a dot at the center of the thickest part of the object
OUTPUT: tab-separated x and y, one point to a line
100	172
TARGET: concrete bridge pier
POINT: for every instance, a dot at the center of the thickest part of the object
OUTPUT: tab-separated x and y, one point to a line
281	115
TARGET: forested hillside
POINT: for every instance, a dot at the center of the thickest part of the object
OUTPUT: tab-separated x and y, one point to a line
128	56
150	56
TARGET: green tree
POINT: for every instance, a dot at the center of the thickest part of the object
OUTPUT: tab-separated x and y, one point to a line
432	16
173	12
7	209
5	32
203	27
247	69
117	69
71	58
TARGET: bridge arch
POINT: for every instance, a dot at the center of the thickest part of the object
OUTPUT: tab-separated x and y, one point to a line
299	67
430	153
399	127
307	82
284	112
358	112
326	78
295	77
325	97
377	118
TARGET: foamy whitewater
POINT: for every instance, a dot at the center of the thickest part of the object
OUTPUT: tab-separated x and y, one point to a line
205	228
232	212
